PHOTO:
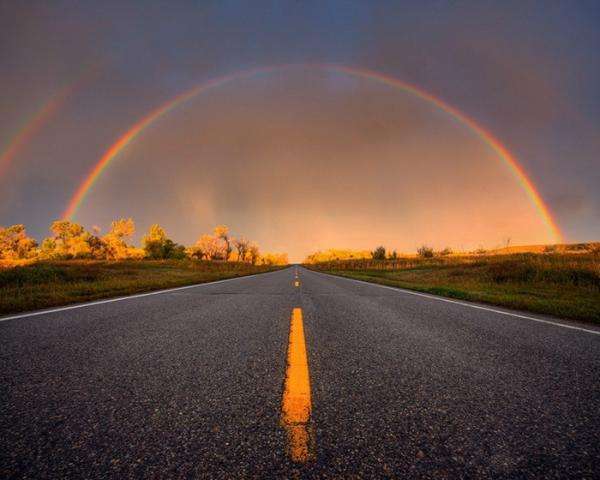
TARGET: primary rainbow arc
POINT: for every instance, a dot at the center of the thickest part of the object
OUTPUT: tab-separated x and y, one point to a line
129	136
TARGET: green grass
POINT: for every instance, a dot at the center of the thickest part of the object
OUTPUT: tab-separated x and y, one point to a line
50	284
563	285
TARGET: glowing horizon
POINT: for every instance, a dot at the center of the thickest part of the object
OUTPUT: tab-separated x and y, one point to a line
487	137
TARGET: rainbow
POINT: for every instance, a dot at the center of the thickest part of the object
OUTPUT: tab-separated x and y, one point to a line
30	128
39	119
486	136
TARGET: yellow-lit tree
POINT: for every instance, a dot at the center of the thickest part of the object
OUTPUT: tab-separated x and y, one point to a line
241	245
209	247
158	246
253	253
222	232
15	244
70	240
115	240
274	259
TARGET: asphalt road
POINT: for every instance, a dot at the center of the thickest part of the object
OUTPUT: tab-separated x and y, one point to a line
189	384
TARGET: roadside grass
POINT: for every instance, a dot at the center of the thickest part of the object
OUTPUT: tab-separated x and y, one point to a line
563	285
55	283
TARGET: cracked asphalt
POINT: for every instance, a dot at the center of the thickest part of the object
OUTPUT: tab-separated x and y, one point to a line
188	384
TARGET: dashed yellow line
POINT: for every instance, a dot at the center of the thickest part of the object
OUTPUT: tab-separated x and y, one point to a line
296	283
296	404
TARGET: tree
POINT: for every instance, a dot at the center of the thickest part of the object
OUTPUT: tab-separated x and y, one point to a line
70	241
79	246
48	248
65	230
241	245
274	259
97	247
154	240
253	253
336	254
222	232
209	247
195	252
122	228
425	252
158	246
378	253
114	241
15	244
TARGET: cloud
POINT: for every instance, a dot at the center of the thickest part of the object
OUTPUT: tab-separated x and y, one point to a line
568	204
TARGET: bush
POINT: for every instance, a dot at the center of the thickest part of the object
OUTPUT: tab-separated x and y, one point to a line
164	249
425	252
378	253
446	251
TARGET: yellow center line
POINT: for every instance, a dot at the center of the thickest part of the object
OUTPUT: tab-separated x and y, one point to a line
296	283
296	404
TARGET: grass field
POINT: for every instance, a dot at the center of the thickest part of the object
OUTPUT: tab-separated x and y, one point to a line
564	285
50	284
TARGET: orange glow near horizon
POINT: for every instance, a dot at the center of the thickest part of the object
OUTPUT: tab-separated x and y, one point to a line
487	137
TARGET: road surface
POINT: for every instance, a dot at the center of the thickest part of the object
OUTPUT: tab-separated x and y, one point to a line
190	383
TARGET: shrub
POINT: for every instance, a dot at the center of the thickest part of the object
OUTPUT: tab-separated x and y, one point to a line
425	252
378	253
15	244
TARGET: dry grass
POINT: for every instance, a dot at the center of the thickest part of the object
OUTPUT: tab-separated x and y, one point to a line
564	285
49	284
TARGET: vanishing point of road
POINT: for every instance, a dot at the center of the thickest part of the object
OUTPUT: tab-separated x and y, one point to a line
297	374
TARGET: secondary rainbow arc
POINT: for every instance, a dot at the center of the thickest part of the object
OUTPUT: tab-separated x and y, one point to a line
33	126
37	122
486	136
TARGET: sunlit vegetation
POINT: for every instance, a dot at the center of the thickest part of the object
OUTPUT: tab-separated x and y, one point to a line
70	241
50	283
337	254
563	280
15	244
74	265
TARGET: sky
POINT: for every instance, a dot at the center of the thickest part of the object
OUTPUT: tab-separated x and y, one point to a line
303	157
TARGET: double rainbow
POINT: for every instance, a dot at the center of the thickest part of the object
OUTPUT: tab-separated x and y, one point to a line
129	136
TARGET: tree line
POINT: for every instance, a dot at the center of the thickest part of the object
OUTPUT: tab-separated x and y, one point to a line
379	253
70	240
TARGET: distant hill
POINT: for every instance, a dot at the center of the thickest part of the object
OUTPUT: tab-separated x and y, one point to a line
558	248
